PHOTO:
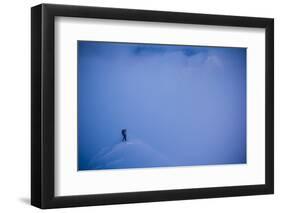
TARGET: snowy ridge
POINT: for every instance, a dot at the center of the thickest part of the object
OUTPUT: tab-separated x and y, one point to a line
132	154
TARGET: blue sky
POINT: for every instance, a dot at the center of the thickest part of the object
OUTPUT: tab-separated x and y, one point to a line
186	103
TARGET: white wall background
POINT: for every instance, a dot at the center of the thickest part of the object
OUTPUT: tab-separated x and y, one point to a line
15	105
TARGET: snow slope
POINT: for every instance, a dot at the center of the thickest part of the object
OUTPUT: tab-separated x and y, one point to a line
131	154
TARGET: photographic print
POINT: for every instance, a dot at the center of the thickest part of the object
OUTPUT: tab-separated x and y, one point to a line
156	105
175	108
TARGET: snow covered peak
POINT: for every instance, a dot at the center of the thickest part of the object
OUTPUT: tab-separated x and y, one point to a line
131	154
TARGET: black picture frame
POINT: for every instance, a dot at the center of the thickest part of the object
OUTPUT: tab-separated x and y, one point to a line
43	102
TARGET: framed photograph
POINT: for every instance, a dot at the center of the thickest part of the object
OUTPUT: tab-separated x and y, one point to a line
139	106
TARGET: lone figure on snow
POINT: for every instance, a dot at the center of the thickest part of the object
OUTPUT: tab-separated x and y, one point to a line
124	134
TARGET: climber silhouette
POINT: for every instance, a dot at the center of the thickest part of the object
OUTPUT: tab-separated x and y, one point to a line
124	134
